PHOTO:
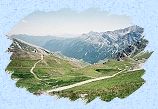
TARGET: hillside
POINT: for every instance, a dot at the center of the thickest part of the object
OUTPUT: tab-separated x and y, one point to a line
40	71
94	46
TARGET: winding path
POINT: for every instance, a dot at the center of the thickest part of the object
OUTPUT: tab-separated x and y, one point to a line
83	82
31	70
76	84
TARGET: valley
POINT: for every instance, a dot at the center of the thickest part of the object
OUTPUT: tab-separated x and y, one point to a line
93	47
41	71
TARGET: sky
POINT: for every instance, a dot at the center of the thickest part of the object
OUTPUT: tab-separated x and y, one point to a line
144	13
66	22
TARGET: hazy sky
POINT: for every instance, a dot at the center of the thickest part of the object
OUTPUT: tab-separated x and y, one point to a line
66	21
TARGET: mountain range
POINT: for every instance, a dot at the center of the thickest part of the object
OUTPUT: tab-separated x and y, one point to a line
93	47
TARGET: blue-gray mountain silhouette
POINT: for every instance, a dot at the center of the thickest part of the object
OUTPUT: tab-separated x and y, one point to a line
94	46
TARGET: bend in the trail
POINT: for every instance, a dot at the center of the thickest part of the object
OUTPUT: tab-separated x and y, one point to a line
31	70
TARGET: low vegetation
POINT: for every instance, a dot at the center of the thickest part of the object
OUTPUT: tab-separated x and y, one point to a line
52	72
120	86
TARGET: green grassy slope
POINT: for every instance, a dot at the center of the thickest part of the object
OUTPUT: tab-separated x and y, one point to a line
142	55
53	72
120	86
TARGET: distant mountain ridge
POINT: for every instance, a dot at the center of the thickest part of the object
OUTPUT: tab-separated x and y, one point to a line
94	46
